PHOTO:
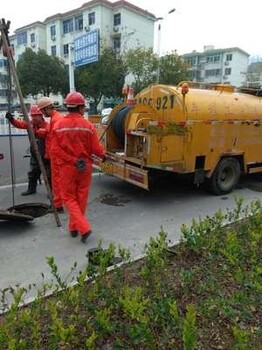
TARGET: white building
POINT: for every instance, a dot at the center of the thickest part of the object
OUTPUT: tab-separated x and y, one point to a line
223	66
121	25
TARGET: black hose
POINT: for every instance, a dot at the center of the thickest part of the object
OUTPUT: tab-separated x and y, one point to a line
118	123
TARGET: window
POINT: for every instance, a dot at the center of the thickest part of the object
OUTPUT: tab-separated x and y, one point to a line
227	71
229	57
91	18
117	43
53	31
32	38
68	26
117	19
3	63
66	49
213	58
22	38
53	50
212	73
79	22
192	61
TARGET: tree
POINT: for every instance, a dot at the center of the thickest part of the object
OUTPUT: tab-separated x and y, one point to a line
103	78
142	64
41	73
254	75
172	69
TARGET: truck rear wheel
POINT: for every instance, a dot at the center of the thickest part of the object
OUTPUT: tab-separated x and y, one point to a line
225	177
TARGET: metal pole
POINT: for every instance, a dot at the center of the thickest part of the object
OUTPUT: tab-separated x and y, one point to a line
159	43
158	51
71	68
5	40
12	163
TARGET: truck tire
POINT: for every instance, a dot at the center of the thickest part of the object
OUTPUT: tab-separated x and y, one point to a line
225	177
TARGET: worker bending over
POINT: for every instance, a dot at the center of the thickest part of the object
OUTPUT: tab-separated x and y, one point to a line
47	107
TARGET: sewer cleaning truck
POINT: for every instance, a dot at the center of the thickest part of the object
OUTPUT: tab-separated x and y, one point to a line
213	133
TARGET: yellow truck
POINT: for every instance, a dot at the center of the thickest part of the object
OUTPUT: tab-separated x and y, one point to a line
213	133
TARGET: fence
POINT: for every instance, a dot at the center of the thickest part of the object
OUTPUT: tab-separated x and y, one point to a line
4	127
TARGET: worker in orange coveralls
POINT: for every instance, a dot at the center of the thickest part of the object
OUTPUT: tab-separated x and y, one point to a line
47	107
40	129
75	141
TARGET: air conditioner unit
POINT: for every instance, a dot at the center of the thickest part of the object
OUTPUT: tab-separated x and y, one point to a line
53	37
87	28
225	76
226	63
32	44
115	29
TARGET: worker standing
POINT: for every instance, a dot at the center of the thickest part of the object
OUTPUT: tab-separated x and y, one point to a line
40	129
47	107
75	140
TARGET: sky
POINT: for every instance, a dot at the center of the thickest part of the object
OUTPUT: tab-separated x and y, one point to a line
193	25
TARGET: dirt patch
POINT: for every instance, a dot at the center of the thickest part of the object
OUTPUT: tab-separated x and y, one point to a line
111	199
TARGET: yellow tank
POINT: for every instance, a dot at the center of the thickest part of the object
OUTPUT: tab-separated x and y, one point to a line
215	134
200	104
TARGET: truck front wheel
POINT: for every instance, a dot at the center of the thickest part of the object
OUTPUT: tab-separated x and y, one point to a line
225	177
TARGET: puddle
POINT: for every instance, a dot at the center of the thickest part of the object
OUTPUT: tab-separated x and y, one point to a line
111	199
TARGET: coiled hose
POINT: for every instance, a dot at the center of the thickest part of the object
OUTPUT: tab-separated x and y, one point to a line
118	123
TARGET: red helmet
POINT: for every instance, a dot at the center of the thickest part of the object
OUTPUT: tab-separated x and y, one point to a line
74	99
44	102
35	110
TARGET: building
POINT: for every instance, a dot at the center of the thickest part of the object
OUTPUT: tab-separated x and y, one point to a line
120	25
220	66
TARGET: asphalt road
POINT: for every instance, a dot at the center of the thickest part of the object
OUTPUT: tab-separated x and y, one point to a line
119	213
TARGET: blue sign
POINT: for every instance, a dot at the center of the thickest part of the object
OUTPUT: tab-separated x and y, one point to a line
87	48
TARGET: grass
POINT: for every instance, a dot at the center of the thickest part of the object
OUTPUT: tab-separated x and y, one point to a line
204	293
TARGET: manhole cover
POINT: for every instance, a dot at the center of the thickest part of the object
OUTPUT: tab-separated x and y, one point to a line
13	216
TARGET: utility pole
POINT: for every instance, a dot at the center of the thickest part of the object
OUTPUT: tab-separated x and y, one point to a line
71	67
160	19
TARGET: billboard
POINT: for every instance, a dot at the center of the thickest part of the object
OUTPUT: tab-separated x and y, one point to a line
86	48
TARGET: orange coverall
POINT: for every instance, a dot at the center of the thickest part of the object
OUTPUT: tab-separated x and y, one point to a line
55	171
75	138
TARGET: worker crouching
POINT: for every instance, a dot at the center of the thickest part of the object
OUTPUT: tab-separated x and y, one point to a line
75	140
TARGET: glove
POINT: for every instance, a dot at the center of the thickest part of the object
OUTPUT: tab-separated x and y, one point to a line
104	159
80	164
9	116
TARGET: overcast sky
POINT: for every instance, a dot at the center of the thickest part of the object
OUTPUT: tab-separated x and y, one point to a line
194	24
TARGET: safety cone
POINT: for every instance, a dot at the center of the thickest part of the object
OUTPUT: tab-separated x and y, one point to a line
130	97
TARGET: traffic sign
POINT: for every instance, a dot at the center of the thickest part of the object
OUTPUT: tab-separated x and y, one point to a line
87	48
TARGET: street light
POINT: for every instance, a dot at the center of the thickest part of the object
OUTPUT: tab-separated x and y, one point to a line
159	40
71	67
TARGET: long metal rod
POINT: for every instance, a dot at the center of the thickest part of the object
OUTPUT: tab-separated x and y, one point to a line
12	163
6	45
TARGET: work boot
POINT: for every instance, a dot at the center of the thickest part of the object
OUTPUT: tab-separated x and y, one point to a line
60	210
31	188
85	236
74	233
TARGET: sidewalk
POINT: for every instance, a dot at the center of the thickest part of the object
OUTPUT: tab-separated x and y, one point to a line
119	213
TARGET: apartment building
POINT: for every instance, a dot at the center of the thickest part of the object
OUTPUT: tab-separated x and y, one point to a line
120	25
221	66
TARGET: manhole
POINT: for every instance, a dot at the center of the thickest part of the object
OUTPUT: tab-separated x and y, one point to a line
34	210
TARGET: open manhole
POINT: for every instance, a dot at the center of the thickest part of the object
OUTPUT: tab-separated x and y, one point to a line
24	212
